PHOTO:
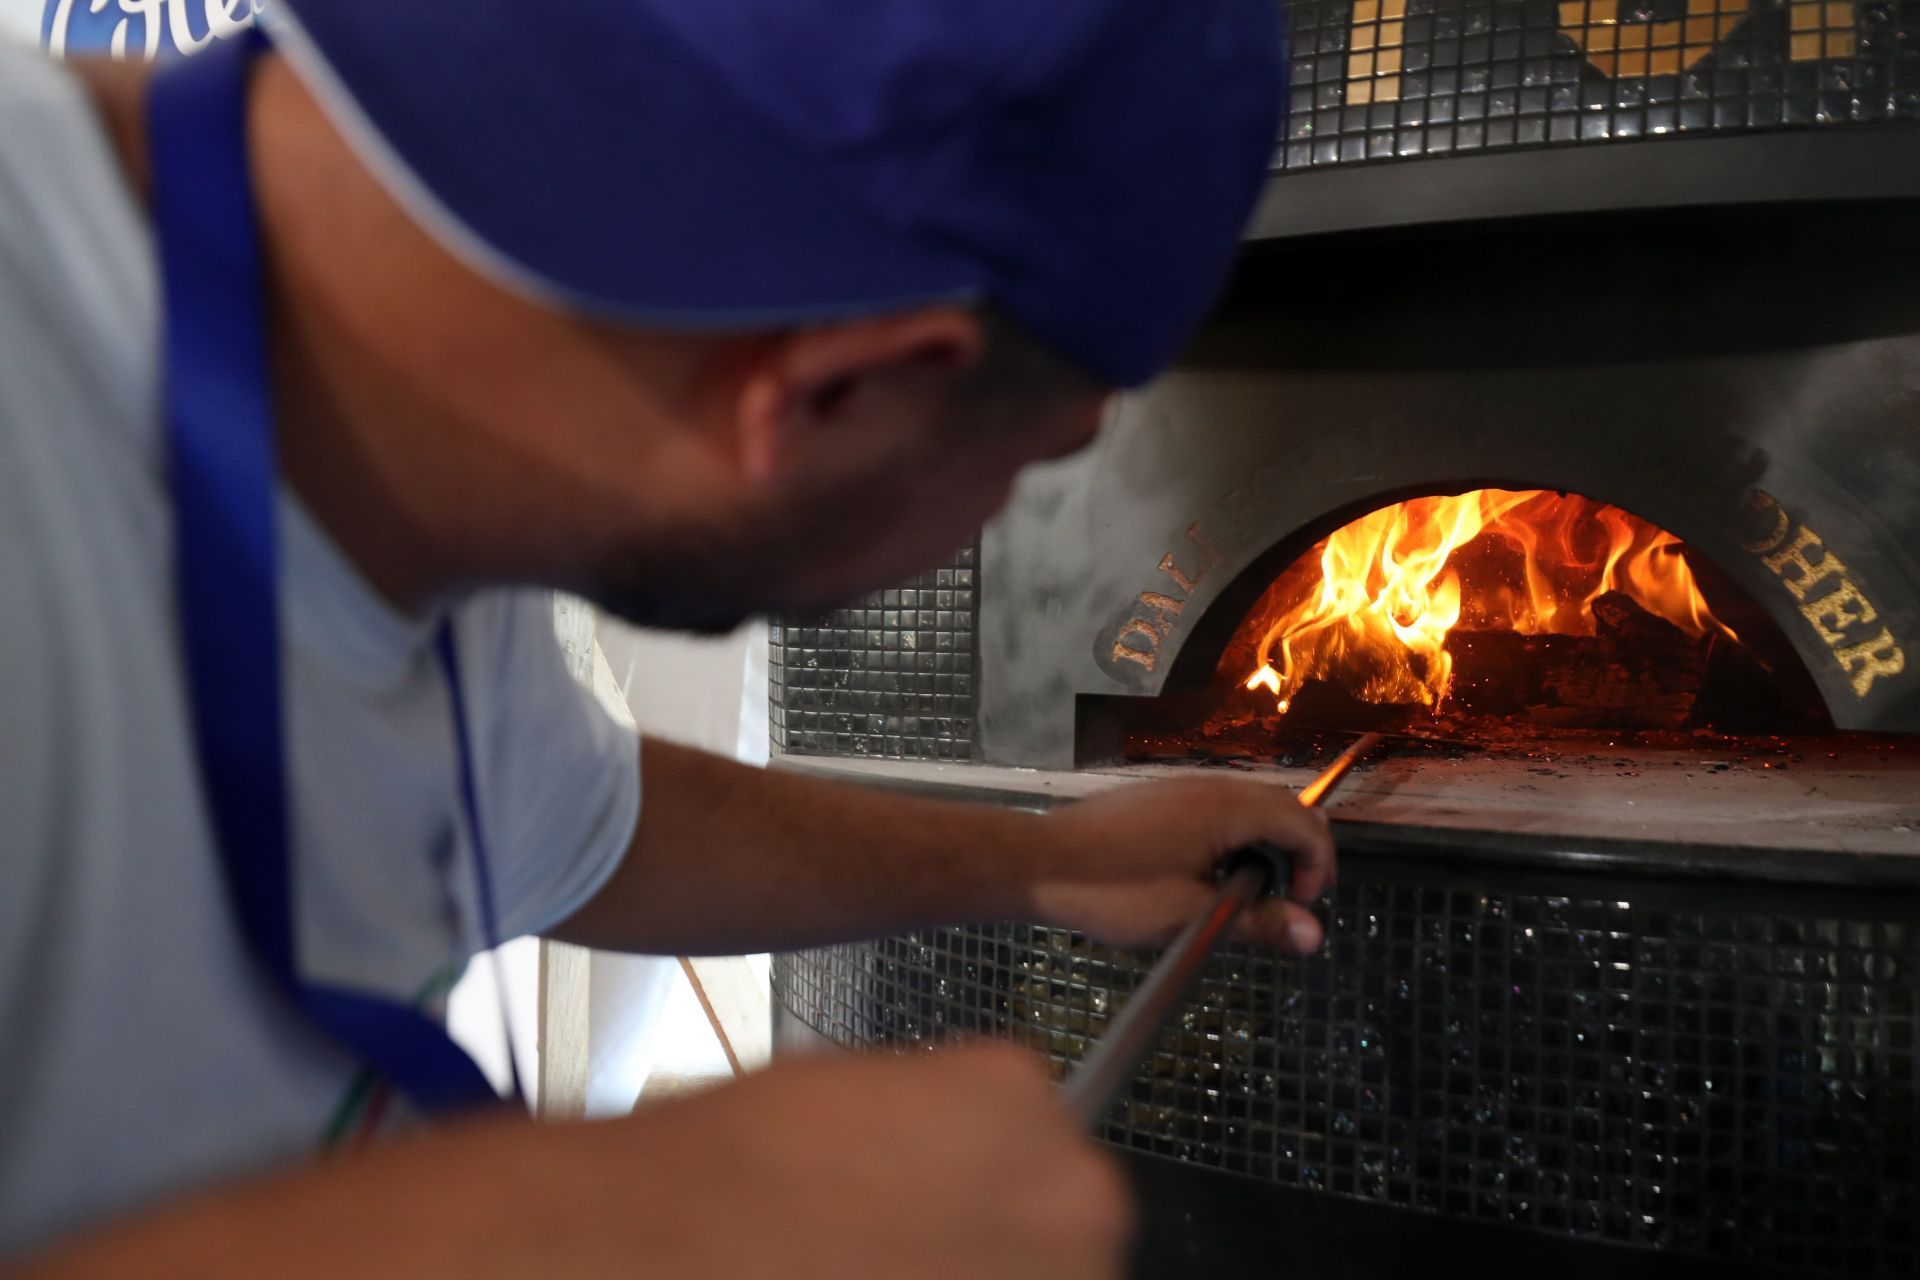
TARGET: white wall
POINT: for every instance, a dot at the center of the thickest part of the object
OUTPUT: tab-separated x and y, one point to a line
710	693
705	692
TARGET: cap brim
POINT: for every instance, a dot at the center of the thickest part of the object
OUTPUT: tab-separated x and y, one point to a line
611	178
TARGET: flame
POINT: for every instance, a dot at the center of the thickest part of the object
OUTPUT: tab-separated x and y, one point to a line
1394	584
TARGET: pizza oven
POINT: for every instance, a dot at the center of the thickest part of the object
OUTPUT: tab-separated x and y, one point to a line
1562	423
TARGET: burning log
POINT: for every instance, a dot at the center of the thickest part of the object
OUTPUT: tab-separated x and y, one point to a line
1377	606
1636	672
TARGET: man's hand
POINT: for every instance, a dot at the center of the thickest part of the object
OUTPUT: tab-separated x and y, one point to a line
960	1164
1141	861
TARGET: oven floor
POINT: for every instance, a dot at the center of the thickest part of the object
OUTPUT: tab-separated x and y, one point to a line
1861	802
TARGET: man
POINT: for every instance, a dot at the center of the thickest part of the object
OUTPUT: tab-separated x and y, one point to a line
695	307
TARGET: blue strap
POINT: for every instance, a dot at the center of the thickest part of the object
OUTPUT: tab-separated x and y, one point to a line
222	469
476	831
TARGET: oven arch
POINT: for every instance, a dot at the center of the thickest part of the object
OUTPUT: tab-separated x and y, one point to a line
1203	483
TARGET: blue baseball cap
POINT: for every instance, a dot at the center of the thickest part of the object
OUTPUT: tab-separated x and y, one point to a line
1087	166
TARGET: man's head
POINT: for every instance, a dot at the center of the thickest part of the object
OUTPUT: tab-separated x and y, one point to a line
844	272
680	480
844	457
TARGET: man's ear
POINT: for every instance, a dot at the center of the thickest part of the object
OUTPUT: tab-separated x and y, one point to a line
801	380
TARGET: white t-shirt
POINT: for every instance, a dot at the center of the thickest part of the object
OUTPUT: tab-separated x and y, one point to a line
141	1051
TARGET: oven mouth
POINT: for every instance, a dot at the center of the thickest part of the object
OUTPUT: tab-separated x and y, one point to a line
1490	619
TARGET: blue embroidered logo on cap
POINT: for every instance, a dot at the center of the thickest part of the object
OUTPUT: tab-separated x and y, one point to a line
141	28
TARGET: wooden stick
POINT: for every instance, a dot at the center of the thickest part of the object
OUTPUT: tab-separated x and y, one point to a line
713	1017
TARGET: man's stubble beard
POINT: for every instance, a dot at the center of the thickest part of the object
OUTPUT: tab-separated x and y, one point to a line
707	585
809	558
681	593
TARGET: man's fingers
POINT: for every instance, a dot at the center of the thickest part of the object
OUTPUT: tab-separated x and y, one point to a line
1255	811
1286	923
1279	923
1313	858
1306	836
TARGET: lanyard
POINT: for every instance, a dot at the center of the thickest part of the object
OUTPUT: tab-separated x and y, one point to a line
221	466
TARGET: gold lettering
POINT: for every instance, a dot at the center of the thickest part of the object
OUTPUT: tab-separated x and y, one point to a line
1866	662
1831	616
1143	655
1164	609
1180	580
1832	613
1767	508
1209	558
1806	573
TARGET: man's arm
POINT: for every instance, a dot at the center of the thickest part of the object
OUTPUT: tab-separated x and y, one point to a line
728	858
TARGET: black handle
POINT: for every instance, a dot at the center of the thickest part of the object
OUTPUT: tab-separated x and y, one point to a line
1275	862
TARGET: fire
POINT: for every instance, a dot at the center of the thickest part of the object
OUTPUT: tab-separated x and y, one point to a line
1394	584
